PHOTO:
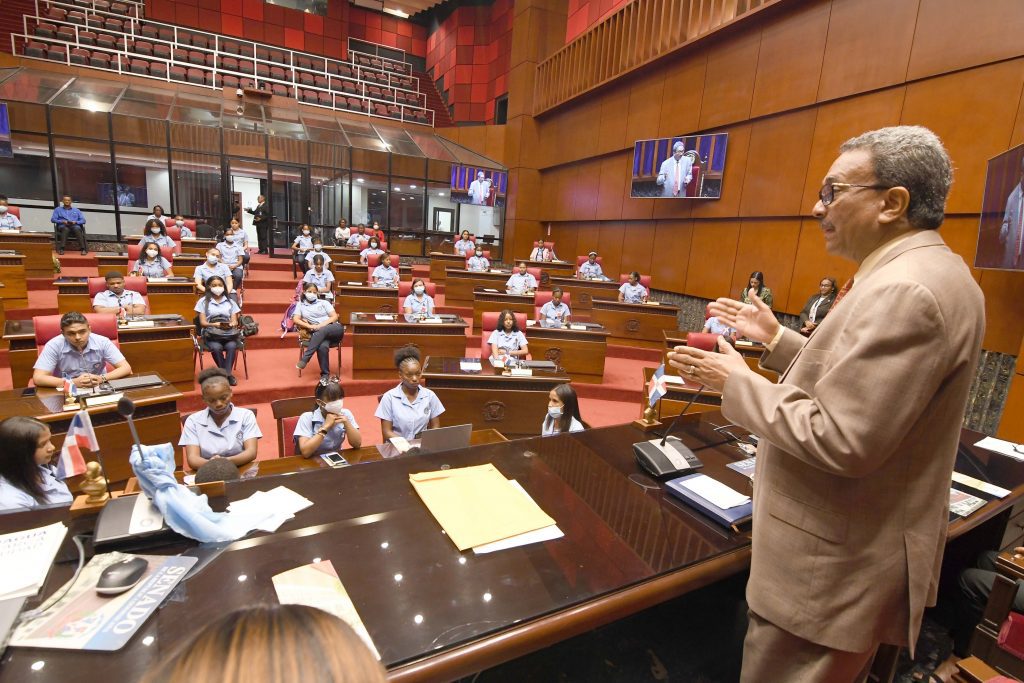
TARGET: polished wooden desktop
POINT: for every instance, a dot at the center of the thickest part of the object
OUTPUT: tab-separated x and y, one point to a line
184	265
14	292
580	353
584	292
628	546
751	352
496	300
461	283
636	324
374	342
176	297
492	397
37	248
197	245
441	261
550	269
349	299
166	347
156	419
345	271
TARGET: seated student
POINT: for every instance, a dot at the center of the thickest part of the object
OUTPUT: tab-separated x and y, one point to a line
222	430
158	213
322	277
554	313
521	281
342	233
465	246
318	320
212	267
715	326
507	339
542	253
632	292
116	297
409	408
156	233
325	428
27	479
231	250
318	250
376	230
8	221
385	274
66	220
591	269
419	304
563	412
356	238
373	247
78	355
478	263
818	306
151	263
218	469
186	233
756	282
268	644
218	320
302	245
241	234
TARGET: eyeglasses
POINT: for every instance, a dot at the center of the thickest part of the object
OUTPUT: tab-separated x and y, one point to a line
827	193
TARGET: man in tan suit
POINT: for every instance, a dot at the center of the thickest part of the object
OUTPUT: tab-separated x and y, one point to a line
859	436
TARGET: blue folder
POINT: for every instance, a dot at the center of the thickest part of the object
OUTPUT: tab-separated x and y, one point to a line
726	517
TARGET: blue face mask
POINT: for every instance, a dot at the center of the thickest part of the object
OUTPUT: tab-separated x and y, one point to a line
554	412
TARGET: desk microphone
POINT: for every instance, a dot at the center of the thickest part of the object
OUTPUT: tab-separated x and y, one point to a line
668	458
126	407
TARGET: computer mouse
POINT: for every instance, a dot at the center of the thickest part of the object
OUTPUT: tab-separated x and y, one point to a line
120	576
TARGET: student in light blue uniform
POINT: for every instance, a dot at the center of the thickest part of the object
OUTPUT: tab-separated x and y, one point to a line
356	238
186	233
115	297
27	479
478	263
302	245
563	412
152	264
321	320
522	281
409	408
78	355
419	303
212	267
318	250
591	269
221	430
465	246
507	339
322	277
155	233
325	428
633	292
373	247
385	274
216	310
231	251
8	221
554	313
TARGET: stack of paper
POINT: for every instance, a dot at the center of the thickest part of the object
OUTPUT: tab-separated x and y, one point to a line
1003	447
963	504
478	505
470	365
270	509
715	492
25	559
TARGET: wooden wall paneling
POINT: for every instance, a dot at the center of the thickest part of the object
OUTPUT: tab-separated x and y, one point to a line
729	80
528	195
789	64
521	83
673	208
973	112
1018	125
565	236
638	209
613	234
567	186
948	38
814	263
637	250
863	52
1011	425
670	257
777	164
610	197
548	194
644	112
712	255
494	143
524	234
961	235
586	189
769	246
732	182
587	235
837	122
683	90
611	132
1004	324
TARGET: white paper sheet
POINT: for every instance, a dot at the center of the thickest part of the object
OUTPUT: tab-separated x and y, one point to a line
715	492
1000	446
548	533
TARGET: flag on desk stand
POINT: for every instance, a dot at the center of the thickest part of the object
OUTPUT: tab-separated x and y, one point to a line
657	387
80	435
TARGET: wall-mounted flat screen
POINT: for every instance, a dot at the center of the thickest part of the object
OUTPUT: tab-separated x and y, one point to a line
480	186
1001	229
681	167
5	133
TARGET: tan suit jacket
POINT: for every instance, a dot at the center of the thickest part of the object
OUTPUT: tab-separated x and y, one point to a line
859	438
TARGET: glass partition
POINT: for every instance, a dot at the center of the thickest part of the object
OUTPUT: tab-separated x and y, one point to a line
369	199
144	170
28	175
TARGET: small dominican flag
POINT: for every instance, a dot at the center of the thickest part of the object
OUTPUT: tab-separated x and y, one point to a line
657	386
70	390
80	435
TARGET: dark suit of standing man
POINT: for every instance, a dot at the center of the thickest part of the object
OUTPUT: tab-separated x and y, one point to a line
859	435
261	221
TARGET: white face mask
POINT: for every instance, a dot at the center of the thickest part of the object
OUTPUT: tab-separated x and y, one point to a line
479	254
212	260
151	254
229	239
179	223
554	411
318	247
3	209
334	407
419	290
373	245
310	296
217	291
305	232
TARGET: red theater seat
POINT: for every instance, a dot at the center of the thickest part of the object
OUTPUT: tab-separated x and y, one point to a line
645	280
229	63
48	326
143	47
489	323
66	33
99	60
45	30
325	99
87	37
197	57
139	66
196	76
177	73
57	53
246	66
135	284
306	78
158	69
34	49
162	51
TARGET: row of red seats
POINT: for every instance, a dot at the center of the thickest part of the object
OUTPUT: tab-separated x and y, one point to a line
376	62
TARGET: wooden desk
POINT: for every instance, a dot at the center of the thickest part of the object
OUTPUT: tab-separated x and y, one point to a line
584	292
406	245
461	283
496	302
174	298
374	342
197	245
353	272
490	398
636	324
349	299
184	264
441	261
550	268
677	396
12	276
580	353
37	248
751	352
156	419
165	348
